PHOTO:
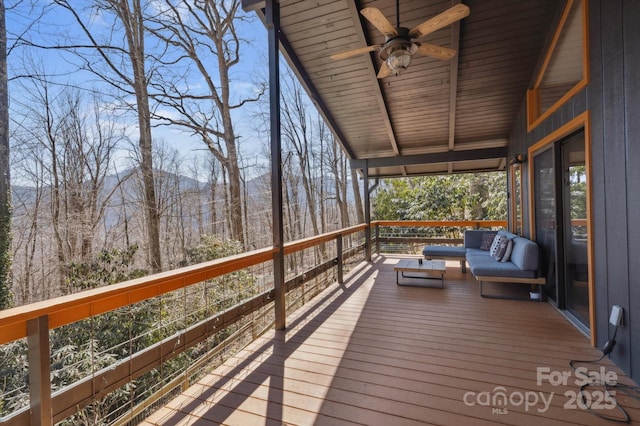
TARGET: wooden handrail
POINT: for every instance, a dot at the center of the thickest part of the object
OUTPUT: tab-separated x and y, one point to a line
53	313
435	223
75	307
299	245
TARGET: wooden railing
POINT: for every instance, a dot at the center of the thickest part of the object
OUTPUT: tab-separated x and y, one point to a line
35	321
417	238
79	306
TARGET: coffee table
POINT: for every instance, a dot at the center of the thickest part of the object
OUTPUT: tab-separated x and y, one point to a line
428	270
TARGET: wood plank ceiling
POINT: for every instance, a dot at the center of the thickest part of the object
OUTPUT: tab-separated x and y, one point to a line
437	116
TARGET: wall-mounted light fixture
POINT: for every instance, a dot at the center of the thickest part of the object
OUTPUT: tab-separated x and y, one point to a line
518	159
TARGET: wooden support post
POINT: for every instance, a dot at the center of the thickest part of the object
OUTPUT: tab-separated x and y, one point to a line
273	29
39	372
340	259
367	212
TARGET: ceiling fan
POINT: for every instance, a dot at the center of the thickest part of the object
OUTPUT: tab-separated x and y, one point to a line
402	43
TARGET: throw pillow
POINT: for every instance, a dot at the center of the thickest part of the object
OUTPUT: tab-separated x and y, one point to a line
495	245
502	249
487	239
507	253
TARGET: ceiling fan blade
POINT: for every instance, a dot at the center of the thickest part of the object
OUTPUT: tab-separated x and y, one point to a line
441	20
437	52
355	52
384	71
379	21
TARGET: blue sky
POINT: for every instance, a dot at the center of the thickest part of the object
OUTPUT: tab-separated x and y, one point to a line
56	23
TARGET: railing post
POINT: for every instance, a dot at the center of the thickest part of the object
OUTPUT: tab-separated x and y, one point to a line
340	259
39	371
377	239
273	29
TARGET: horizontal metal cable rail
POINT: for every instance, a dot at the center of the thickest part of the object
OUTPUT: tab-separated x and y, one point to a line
35	321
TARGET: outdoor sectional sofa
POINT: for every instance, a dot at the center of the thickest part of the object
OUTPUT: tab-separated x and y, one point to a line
521	266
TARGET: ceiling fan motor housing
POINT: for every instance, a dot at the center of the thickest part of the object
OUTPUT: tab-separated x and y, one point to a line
398	51
402	41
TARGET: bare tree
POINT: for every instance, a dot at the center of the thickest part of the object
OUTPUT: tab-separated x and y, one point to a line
5	182
299	135
357	197
214	189
26	226
195	32
292	213
128	22
338	168
66	149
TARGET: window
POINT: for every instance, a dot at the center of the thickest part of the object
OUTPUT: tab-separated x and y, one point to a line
564	71
516	199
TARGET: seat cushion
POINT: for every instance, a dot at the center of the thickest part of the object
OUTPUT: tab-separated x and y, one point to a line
443	251
488	266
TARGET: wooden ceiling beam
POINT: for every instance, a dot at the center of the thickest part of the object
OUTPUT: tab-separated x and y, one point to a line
382	104
437	157
453	78
249	5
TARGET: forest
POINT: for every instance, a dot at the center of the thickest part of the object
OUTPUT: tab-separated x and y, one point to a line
136	141
92	169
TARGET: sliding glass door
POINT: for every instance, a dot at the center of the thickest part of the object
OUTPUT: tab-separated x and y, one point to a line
545	216
560	223
575	236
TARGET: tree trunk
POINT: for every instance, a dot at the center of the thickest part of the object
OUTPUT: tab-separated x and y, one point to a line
5	182
356	196
235	200
134	28
232	165
213	182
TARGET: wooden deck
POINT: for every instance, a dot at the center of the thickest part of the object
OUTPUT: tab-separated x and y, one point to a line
374	353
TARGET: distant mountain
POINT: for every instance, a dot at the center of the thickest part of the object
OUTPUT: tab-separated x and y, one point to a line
257	189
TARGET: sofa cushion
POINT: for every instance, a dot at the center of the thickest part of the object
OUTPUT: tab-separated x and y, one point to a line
507	254
495	246
473	238
471	252
507	234
487	266
443	251
525	254
502	248
487	240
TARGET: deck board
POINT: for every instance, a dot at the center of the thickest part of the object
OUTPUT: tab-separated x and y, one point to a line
374	353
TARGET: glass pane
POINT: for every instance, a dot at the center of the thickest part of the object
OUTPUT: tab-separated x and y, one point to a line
565	66
517	192
576	238
545	217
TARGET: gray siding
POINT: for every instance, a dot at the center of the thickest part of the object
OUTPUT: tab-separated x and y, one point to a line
613	99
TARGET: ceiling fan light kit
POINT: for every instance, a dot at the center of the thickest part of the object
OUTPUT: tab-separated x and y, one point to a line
399	60
398	53
400	46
